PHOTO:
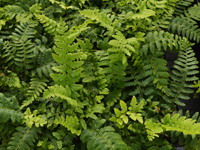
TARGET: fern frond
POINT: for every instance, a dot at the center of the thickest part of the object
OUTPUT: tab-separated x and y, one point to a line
185	27
174	123
51	26
71	123
9	109
24	138
43	3
163	23
60	91
9	78
182	5
14	11
114	72
71	59
45	63
155	71
160	40
102	138
149	78
100	18
21	50
36	88
185	69
122	47
30	119
189	141
193	12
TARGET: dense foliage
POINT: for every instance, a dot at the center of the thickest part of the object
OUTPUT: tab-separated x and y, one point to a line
81	74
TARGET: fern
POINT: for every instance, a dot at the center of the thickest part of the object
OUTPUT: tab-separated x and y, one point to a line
51	26
105	136
155	71
181	5
60	91
9	109
58	139
24	138
21	50
185	27
157	40
71	123
114	72
189	141
99	17
185	67
9	78
30	119
193	12
70	59
122	47
14	11
149	78
37	87
187	126
45	62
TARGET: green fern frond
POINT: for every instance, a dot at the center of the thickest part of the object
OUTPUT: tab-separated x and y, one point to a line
189	141
160	40
71	59
21	50
61	4
155	71
163	23
9	78
24	138
14	11
102	138
45	63
185	69
71	123
50	25
153	129
114	72
193	12
30	119
60	91
182	5
150	77
36	88
185	27
43	3
181	124
9	109
123	48
100	18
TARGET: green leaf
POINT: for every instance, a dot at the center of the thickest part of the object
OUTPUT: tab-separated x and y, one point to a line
144	13
51	146
56	135
124	118
136	116
59	143
123	106
83	123
117	112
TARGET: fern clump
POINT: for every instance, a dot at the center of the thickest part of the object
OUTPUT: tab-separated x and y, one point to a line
92	75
